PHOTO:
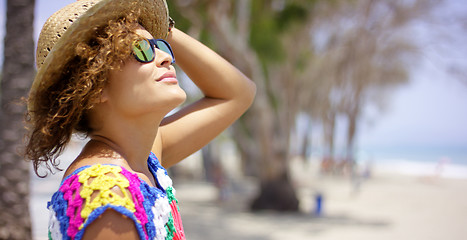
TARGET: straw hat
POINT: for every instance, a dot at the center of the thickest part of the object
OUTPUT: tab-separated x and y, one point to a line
76	22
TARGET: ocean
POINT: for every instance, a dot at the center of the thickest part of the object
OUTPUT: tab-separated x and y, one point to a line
440	161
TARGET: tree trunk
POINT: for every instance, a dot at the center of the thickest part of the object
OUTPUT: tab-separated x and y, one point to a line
249	154
276	194
353	113
306	142
270	128
272	136
351	131
328	163
265	140
276	190
18	72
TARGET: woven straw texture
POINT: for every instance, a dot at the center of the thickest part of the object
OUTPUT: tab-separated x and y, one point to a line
76	22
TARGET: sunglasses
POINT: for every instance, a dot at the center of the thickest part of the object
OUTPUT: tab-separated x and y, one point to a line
144	50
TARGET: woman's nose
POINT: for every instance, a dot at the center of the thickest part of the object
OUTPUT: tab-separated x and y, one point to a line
163	58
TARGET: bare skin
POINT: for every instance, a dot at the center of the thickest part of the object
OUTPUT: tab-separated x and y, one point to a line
130	119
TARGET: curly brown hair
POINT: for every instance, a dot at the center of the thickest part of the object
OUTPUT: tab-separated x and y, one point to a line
62	109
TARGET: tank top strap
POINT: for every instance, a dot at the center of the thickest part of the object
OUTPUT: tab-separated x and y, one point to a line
159	172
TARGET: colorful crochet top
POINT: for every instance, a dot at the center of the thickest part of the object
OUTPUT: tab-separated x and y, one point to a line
90	190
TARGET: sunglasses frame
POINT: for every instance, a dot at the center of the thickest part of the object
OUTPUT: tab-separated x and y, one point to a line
153	44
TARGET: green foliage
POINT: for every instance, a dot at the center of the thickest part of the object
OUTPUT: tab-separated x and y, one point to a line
269	25
264	37
207	39
181	22
303	61
184	24
291	14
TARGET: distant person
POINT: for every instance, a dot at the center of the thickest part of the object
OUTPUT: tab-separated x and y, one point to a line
440	166
105	70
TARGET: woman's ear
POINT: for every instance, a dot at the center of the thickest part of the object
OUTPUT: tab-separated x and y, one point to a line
101	98
104	96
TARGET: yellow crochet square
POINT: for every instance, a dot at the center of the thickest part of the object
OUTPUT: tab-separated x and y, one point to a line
101	185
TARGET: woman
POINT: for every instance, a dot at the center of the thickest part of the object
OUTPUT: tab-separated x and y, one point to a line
105	71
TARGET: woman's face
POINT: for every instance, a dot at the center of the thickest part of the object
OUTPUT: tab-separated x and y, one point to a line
141	88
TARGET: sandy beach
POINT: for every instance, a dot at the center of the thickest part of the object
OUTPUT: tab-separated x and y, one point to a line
389	205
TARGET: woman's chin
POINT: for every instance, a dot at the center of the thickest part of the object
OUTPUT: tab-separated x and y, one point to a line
176	99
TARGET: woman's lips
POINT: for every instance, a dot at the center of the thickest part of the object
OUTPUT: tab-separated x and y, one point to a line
168	77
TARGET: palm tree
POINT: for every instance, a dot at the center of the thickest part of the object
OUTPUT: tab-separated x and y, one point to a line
17	74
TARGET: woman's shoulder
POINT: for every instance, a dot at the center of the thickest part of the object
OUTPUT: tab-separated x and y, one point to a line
88	192
100	182
96	185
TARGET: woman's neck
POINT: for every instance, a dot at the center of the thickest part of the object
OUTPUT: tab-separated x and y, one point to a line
130	139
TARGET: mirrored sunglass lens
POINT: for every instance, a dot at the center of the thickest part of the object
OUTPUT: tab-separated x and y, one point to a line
164	47
143	51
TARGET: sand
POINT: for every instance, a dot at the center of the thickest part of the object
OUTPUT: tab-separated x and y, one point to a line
385	207
388	205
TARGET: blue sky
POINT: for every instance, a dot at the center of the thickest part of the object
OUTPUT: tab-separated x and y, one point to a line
430	111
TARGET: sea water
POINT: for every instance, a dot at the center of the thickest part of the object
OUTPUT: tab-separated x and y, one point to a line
440	161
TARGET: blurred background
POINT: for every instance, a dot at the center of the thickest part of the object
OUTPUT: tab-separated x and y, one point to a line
358	130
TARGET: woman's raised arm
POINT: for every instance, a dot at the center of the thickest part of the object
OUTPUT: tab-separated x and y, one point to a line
227	95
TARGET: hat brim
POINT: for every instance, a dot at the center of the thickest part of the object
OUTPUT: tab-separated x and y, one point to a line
152	15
